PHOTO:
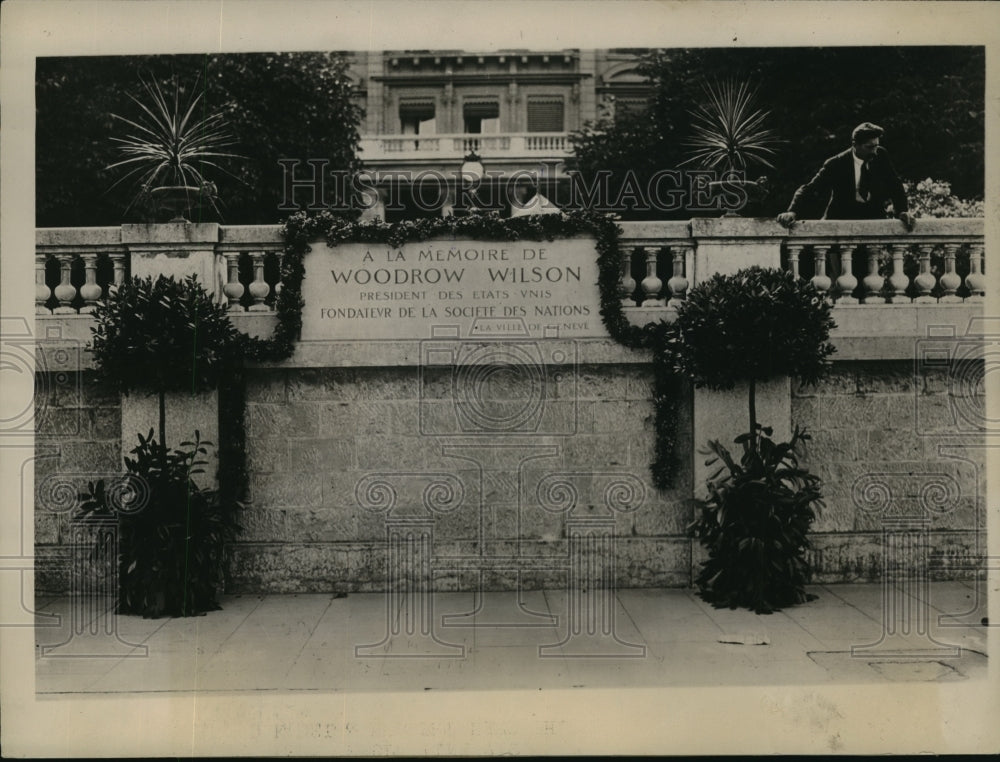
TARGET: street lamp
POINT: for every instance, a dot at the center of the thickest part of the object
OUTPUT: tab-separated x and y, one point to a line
469	178
472	166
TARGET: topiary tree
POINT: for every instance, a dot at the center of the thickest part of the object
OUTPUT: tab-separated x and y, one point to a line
163	336
747	328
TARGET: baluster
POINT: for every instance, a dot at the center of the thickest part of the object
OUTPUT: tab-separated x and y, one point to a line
949	278
118	263
651	284
794	249
820	280
898	279
42	291
233	288
846	282
65	292
280	284
975	281
873	282
626	287
925	280
678	284
90	291
258	288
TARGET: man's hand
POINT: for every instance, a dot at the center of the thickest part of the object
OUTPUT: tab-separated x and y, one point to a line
786	219
908	220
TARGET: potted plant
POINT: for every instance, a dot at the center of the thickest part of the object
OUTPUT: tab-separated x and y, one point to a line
749	327
168	152
164	336
730	135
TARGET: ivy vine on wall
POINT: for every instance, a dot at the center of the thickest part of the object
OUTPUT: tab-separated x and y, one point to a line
301	229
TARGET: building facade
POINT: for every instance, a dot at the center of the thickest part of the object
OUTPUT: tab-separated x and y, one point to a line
426	111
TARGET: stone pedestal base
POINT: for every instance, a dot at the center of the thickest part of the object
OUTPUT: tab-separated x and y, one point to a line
725	415
185	414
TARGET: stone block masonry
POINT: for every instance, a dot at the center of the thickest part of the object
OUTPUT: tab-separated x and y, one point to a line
886	463
78	440
315	435
318	437
323	444
362	452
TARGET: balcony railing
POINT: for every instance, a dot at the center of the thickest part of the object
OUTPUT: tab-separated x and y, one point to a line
502	145
941	261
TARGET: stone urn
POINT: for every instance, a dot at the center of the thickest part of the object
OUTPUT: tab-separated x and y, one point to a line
732	190
178	203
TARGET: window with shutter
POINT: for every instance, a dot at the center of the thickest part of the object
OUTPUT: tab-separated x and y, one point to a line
416	117
545	114
481	116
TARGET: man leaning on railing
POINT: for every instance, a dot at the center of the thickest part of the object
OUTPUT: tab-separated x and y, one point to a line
856	184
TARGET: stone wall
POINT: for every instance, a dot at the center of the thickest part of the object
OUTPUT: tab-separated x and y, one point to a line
892	443
78	440
317	438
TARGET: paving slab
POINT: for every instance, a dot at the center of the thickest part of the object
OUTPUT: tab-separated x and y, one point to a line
375	642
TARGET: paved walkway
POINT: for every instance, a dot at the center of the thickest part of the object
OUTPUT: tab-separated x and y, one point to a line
659	638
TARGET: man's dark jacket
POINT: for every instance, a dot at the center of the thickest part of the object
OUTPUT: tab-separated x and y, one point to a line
835	182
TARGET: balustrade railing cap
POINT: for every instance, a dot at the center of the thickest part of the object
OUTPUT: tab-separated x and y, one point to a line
108	236
251	234
736	227
653	230
925	226
171	232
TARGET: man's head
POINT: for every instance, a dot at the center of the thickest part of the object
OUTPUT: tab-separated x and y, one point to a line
865	139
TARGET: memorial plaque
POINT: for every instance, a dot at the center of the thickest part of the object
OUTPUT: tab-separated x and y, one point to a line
536	289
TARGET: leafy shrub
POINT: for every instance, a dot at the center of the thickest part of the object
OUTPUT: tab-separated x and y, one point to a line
170	532
754	525
933	198
162	336
751	326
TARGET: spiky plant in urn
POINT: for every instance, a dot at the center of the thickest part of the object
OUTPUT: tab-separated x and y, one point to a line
168	152
730	136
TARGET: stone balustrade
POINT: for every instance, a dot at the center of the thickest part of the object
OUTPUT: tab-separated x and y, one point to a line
252	255
876	262
455	146
320	423
656	261
76	267
853	262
